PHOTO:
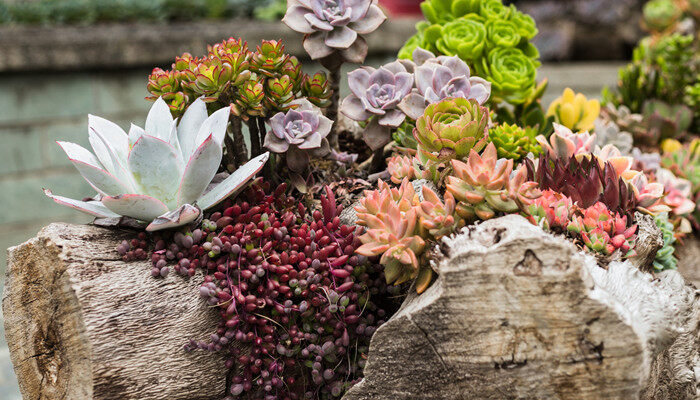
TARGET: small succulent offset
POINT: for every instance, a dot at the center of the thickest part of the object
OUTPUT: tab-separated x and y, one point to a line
333	26
664	257
450	129
574	111
564	143
159	174
300	133
439	78
376	94
514	142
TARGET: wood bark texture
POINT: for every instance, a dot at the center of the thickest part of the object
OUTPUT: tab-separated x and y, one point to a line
688	255
82	324
517	313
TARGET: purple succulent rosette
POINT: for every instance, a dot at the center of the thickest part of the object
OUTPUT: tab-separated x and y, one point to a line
334	25
300	133
377	93
438	78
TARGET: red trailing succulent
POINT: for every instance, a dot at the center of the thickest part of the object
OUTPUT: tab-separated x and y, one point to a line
584	181
297	305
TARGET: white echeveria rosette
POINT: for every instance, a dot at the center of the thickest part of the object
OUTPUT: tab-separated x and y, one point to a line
160	174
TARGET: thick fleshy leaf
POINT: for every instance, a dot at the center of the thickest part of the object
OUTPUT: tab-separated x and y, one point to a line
189	126
157	168
215	126
413	105
370	22
91	169
183	215
353	108
91	207
135	132
115	137
294	18
139	206
376	136
358	80
315	45
234	182
200	170
340	37
317	23
159	120
392	118
116	162
297	159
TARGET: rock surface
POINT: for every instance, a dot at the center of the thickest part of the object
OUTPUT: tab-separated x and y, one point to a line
518	313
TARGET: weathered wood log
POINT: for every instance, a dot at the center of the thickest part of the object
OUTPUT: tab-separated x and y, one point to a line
82	324
519	313
688	254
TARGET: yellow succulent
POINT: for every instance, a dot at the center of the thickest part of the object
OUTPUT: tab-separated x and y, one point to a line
669	146
574	111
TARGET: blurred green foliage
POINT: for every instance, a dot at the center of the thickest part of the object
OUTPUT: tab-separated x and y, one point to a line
89	12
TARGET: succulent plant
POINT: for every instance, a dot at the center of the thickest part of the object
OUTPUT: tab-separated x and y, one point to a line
664	257
376	94
437	217
603	231
255	83
439	78
483	186
564	143
403	135
684	162
493	39
598	228
391	218
450	129
158	174
608	132
400	167
574	111
299	133
331	26
586	181
512	74
316	89
660	15
663	121
514	142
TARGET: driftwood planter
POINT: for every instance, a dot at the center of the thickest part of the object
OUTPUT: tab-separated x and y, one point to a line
515	313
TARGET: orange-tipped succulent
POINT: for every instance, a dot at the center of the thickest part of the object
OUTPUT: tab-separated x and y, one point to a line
438	218
400	167
483	185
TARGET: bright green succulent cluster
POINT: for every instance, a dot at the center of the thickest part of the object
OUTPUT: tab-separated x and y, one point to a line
492	38
514	142
664	257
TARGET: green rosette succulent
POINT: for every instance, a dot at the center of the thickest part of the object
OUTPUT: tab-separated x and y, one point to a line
450	129
403	135
524	23
441	11
464	37
514	142
511	73
493	9
659	15
664	257
502	33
